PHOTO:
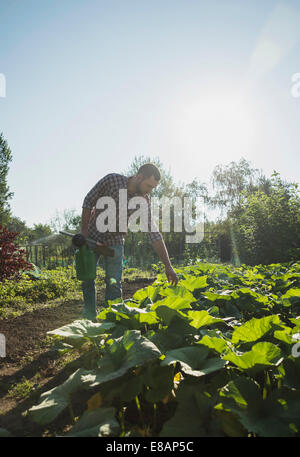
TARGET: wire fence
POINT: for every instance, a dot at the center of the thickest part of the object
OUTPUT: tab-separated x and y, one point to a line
49	257
138	252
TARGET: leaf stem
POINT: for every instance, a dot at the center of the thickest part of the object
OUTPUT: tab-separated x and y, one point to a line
154	416
71	411
139	409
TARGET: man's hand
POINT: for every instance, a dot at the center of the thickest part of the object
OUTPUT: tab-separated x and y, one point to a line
98	243
161	250
171	275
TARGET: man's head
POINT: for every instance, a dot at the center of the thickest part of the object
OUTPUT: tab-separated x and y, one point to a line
147	178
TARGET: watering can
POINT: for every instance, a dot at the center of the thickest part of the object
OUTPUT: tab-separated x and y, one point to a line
85	257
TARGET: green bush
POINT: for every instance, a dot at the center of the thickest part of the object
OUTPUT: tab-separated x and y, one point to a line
51	285
267	226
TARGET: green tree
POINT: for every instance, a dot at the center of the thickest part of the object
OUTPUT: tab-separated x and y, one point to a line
5	195
267	228
15	224
40	234
230	182
68	220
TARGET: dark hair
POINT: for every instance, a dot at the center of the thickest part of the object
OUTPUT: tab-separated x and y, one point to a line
148	170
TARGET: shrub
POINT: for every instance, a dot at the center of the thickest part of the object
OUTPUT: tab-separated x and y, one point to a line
18	296
267	227
12	261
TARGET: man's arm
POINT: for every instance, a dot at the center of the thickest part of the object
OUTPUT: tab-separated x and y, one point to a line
85	217
161	250
90	200
159	246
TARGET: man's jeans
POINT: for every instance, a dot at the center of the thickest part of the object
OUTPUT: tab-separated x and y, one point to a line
113	275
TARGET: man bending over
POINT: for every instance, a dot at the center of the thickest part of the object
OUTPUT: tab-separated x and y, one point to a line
140	185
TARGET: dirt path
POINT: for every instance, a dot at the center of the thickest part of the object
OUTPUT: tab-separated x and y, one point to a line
28	353
24	333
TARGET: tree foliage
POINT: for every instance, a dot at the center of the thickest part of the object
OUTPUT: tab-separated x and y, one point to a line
69	219
5	194
267	226
15	224
261	223
231	181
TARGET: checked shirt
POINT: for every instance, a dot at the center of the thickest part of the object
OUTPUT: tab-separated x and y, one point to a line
109	186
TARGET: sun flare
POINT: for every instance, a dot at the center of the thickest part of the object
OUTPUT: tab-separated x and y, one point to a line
219	126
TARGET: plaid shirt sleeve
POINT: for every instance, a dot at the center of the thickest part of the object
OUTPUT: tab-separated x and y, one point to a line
153	231
99	189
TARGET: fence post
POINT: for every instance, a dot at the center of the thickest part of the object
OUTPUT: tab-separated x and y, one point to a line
36	255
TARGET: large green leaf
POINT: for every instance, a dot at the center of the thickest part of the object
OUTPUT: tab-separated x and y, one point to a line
132	316
167	314
213	296
274	416
261	356
193	360
245	292
229	309
83	328
178	291
191	282
149	292
243	391
129	351
123	389
54	401
211	365
126	352
194	415
296	321
293	292
285	335
165	339
290	370
190	355
254	329
214	342
99	422
230	424
159	381
182	327
173	302
202	318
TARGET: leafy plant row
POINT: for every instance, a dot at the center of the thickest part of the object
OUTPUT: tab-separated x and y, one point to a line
36	286
217	355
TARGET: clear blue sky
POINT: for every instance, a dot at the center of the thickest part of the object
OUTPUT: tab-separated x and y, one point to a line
92	83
